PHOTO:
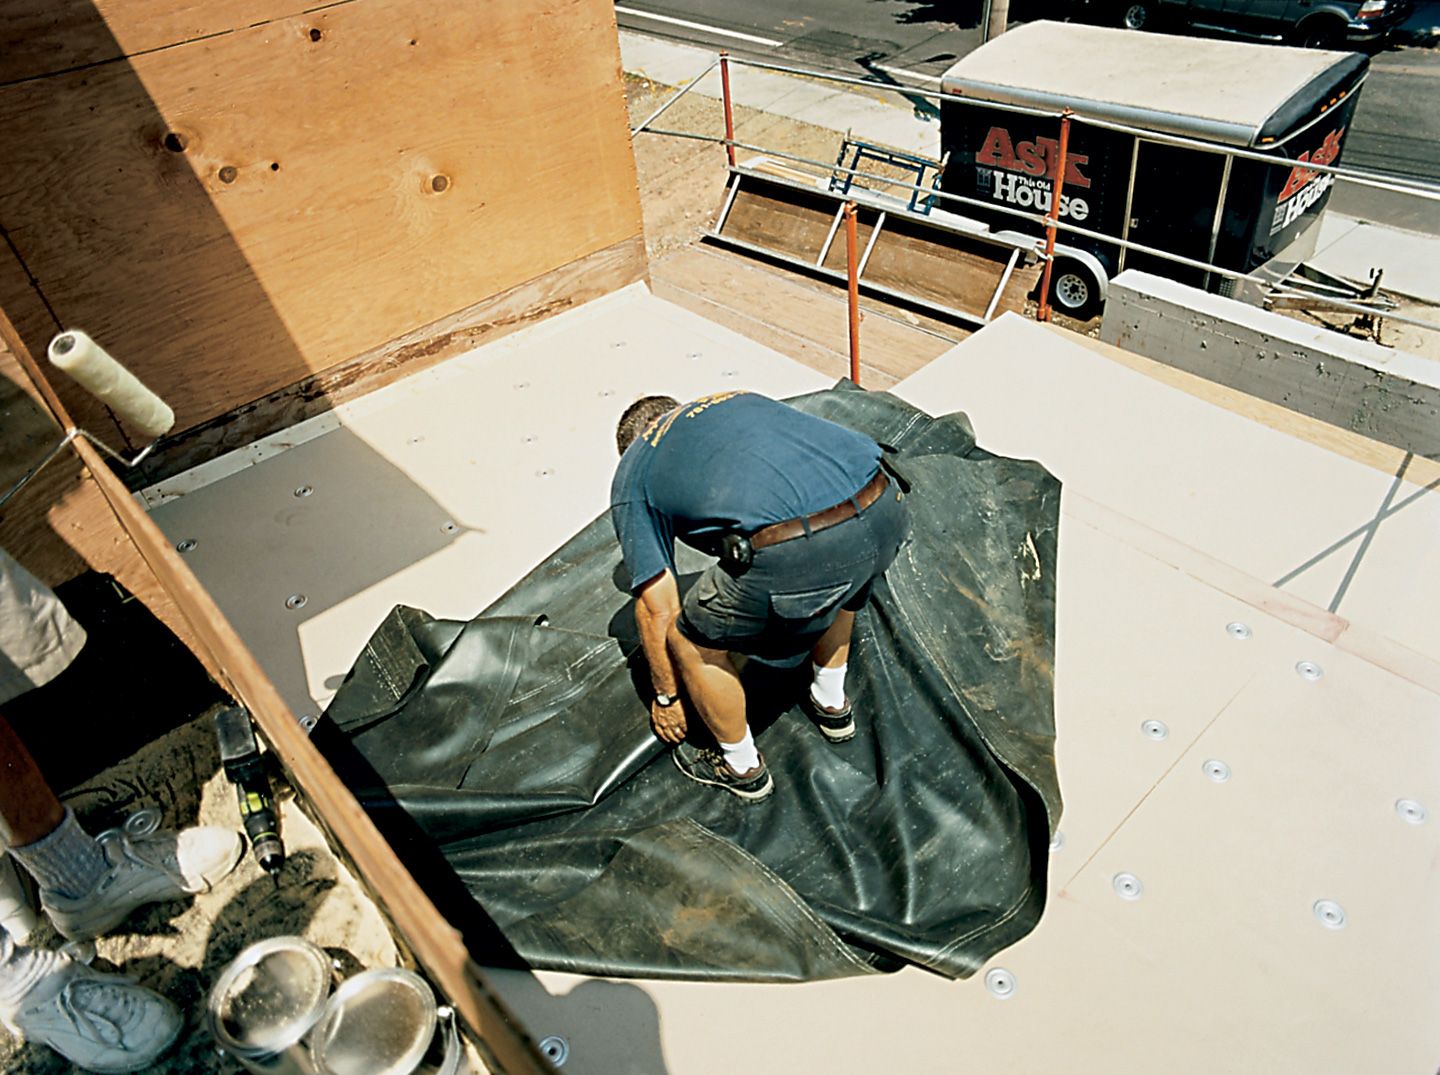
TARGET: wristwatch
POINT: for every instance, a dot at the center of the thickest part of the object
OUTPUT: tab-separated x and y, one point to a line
665	701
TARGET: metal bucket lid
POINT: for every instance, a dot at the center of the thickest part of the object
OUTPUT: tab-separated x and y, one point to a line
269	996
380	1022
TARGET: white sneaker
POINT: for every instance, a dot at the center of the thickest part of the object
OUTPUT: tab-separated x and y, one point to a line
17	906
145	869
99	1022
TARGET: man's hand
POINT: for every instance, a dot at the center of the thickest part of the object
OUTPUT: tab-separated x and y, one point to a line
668	721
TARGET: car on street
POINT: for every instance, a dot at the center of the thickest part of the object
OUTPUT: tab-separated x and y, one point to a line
1323	24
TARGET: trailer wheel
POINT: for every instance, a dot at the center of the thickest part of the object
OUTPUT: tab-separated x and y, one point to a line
1074	291
1138	15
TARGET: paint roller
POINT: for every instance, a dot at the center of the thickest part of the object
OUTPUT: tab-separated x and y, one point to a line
89	366
112	384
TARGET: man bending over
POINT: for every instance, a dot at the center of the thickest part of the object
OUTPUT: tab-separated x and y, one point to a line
802	520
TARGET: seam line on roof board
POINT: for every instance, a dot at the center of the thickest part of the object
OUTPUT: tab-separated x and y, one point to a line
1179	757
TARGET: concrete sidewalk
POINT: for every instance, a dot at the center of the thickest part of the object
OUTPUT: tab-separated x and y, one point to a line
1346	247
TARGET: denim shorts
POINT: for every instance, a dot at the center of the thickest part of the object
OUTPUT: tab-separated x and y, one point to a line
790	595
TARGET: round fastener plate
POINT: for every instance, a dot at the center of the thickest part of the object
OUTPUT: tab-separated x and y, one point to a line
418	438
1237	630
188	545
544	473
304	491
606	392
1330	914
1216	770
308	721
1411	811
296	600
520	386
729	373
449	528
1000	982
142	822
1127	886
1155	729
555	1049
1057	841
1309	670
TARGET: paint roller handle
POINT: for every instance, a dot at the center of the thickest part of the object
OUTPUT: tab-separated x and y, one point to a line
94	370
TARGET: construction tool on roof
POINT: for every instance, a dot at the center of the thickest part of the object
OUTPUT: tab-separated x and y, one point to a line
245	768
108	381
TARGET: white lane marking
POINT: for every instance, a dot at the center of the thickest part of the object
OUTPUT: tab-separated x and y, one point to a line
697	26
920	75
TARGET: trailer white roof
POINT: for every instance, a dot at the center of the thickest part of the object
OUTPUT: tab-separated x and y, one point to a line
1221	90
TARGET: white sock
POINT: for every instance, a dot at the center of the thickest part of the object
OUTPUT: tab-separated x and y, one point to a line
741	756
828	688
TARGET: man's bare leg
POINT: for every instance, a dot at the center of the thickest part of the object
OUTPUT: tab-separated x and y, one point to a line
29	810
833	649
714	686
830	659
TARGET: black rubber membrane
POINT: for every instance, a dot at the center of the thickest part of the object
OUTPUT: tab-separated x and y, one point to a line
519	745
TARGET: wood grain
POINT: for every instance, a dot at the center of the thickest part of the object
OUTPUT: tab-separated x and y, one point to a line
409	163
562	289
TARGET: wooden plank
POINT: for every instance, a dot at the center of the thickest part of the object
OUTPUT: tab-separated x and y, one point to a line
60	35
410	163
783	220
801	318
936	266
562	289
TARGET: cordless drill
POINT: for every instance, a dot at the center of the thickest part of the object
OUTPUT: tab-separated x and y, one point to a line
245	768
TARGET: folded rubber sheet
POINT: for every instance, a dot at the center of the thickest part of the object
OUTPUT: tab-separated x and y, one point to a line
519	745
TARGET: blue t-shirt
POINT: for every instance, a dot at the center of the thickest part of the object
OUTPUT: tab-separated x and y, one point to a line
733	461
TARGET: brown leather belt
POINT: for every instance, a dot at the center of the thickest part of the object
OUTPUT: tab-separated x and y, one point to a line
821	520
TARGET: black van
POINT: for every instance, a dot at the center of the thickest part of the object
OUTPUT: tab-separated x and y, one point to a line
1292	104
1316	24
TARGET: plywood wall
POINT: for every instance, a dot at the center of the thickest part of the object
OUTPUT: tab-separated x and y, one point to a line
235	197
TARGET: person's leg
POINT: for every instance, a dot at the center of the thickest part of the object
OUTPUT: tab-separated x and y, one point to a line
713	684
829	661
29	810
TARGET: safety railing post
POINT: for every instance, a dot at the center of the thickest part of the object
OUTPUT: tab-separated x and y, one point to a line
729	112
852	274
1057	186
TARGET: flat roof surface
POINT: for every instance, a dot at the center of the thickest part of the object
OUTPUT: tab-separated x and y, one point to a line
1231	86
1178	518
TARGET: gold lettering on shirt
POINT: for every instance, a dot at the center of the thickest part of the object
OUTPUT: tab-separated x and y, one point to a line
658	428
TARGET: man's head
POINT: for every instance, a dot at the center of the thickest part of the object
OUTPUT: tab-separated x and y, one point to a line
639	415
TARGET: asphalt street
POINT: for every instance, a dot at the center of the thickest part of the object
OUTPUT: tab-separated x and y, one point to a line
1396	130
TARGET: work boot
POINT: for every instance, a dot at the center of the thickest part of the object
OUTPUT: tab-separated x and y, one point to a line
705	765
144	869
836	725
99	1022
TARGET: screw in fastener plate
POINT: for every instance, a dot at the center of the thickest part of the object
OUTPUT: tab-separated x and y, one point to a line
188	545
296	600
1309	670
1330	914
1057	841
1000	982
1155	729
304	491
1411	811
556	1049
1238	631
1216	770
1127	886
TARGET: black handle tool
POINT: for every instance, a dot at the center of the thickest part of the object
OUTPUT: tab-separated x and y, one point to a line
245	768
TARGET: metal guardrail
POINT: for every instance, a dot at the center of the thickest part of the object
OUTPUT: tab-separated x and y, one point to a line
1050	223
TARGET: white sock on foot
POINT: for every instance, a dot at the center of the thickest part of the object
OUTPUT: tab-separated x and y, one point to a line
828	688
741	756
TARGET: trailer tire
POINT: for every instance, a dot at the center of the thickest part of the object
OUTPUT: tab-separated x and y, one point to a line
1138	15
1074	291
